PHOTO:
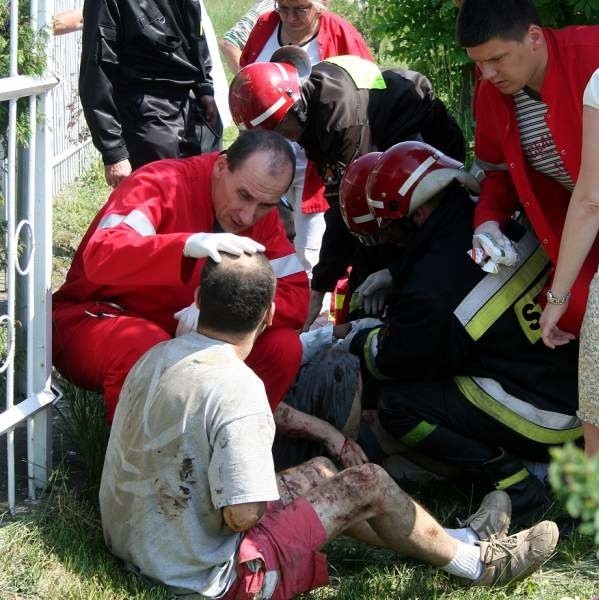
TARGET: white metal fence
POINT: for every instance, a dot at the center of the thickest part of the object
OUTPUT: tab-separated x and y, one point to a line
72	149
25	363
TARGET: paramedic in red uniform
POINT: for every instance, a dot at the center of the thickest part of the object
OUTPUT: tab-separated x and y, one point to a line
141	258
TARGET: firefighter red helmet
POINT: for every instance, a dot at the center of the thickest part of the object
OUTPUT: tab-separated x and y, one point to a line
262	93
409	174
352	198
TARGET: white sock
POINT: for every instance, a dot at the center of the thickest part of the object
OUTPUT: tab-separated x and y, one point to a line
465	534
466	562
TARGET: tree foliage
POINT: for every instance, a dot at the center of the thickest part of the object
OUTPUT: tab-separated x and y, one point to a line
31	60
420	34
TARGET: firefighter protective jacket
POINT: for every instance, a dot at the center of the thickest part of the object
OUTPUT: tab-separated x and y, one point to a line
449	319
353	108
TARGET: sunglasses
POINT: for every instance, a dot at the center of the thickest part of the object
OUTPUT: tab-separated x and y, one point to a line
286	11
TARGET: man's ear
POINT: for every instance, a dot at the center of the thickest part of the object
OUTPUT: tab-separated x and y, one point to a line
536	36
220	166
196	297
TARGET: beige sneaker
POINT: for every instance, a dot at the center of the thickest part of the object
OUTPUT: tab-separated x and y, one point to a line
492	519
515	557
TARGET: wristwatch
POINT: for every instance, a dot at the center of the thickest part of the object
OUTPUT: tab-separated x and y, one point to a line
557	299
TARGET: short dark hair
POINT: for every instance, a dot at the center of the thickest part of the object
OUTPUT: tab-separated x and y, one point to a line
236	293
262	140
482	20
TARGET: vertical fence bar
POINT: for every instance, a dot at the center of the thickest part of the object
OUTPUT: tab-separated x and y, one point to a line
41	457
31	271
29	256
10	251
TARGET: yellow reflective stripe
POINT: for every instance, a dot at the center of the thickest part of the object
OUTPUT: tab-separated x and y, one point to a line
339	300
512	480
365	74
354	302
370	355
507	295
416	435
528	312
509	418
492	283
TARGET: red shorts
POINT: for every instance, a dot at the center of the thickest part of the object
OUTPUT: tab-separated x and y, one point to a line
279	555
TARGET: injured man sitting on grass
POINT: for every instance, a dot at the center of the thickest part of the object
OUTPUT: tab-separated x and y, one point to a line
189	496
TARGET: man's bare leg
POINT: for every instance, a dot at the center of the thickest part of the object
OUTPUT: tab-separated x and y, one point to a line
367	493
300	480
366	503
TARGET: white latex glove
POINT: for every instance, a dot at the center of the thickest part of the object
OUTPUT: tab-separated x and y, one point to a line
188	319
373	291
314	341
356	326
490	247
201	245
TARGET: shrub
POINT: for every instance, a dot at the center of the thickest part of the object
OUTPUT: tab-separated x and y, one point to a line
31	60
575	480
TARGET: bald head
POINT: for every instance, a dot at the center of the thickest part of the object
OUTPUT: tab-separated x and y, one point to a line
236	293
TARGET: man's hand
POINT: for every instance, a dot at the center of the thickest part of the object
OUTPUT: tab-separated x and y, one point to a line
344	449
188	319
551	334
373	291
115	173
316	299
201	245
210	109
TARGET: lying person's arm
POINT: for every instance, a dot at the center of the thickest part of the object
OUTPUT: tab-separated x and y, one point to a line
241	517
295	423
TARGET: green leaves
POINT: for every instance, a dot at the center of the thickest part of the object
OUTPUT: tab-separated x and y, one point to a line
574	478
31	60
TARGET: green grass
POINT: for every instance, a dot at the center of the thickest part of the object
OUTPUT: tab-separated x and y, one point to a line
55	550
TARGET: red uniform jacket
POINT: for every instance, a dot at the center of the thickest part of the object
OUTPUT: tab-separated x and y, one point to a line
335	37
132	254
573	57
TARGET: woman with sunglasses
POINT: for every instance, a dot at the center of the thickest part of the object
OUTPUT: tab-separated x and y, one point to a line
322	34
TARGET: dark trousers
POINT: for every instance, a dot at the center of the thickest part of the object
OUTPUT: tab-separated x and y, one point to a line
470	436
434	418
156	127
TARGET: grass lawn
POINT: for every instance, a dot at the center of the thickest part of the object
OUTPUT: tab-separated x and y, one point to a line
55	550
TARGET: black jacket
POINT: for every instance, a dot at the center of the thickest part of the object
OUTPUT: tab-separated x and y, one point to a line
154	46
440	324
345	121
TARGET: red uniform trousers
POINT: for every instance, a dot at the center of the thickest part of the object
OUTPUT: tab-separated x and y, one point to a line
97	352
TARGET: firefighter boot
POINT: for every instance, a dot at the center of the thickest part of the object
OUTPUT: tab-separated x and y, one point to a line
528	494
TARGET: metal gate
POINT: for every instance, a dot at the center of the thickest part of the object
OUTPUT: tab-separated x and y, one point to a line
25	363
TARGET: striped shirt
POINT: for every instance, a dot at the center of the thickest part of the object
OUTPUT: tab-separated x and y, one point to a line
536	139
239	33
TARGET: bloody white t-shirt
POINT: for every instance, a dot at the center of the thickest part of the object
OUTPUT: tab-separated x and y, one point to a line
192	433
